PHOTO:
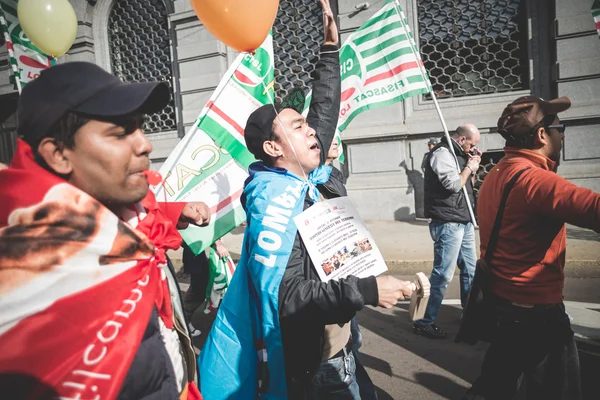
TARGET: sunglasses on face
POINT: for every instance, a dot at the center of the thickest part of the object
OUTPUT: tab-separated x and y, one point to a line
559	127
547	123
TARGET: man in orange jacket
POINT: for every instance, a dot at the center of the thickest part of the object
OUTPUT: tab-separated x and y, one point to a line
533	339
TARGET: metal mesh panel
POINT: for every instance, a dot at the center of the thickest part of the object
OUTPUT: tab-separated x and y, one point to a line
297	36
473	47
140	51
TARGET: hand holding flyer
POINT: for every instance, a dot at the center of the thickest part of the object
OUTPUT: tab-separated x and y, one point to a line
338	240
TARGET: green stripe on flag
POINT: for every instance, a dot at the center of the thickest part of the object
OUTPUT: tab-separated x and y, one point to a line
389	57
385	44
226	140
415	79
199	239
380	104
596	8
377	34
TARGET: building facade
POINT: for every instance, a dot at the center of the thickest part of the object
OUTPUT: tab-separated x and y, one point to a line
480	54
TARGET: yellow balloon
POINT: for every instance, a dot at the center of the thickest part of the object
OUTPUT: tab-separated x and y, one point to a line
51	25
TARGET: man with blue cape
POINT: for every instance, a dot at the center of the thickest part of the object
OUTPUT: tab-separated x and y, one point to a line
280	332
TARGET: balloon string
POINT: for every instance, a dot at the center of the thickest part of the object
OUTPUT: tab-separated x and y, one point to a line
272	101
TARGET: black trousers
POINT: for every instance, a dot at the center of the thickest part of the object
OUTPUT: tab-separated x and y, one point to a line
534	347
197	267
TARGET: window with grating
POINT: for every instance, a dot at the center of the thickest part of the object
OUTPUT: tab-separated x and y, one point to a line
473	47
140	51
297	37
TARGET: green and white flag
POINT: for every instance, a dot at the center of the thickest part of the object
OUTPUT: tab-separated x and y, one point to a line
27	61
596	15
380	65
210	163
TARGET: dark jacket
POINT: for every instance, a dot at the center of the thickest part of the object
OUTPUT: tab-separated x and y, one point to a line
442	204
306	304
335	186
151	375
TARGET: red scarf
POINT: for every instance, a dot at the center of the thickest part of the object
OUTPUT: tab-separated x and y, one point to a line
77	284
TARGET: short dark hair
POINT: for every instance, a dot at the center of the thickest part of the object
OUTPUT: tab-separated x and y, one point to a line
63	132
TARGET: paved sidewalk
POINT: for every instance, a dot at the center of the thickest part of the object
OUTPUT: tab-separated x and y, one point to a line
407	247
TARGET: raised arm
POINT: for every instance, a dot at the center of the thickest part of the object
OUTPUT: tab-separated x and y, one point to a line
325	104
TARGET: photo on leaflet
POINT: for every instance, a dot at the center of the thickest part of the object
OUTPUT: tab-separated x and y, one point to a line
339	258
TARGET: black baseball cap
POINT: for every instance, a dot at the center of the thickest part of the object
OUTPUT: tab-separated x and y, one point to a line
260	127
82	88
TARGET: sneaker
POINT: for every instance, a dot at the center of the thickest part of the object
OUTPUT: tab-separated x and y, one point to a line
431	331
193	331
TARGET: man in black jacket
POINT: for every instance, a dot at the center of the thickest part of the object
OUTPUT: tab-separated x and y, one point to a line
315	316
450	227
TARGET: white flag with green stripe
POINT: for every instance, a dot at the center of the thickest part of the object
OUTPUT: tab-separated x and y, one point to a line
210	163
380	65
596	15
27	61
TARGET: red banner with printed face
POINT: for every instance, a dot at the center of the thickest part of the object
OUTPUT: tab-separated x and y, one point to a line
77	283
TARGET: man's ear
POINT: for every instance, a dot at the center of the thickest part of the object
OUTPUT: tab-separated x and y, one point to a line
55	156
272	149
541	137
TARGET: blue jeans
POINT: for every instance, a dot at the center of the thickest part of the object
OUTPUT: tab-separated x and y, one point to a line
454	243
343	378
356	335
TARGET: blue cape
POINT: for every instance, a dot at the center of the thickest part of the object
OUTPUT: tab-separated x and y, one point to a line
243	354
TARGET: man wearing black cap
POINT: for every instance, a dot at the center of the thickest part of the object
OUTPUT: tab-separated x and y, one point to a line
303	323
81	128
533	339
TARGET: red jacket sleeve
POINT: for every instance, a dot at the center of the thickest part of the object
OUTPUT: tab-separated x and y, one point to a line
556	197
172	210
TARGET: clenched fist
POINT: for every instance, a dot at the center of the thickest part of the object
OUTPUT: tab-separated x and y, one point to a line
392	290
194	212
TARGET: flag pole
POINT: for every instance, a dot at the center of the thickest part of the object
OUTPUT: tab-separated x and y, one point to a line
437	107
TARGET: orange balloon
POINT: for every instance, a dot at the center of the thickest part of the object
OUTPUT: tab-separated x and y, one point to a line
241	24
